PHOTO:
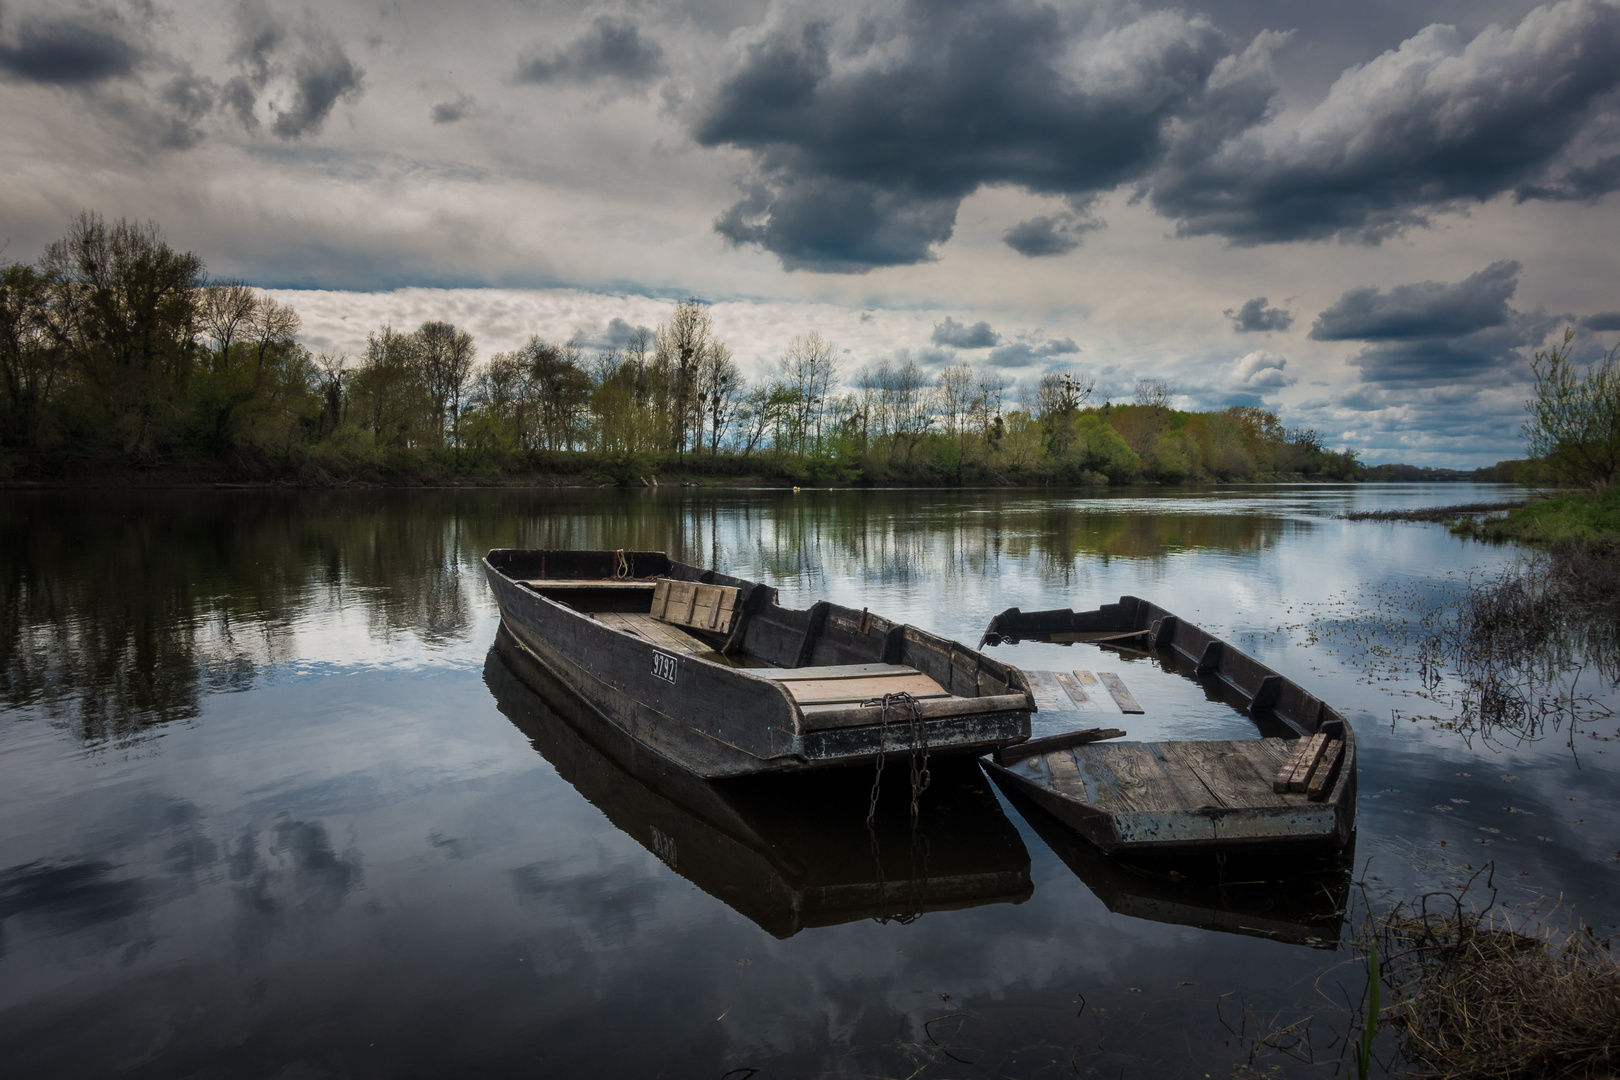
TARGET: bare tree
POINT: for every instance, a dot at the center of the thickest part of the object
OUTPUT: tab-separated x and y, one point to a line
332	375
226	312
1574	420
1153	393
273	325
720	389
810	366
446	356
680	344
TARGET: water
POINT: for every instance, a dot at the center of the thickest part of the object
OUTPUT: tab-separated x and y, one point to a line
270	805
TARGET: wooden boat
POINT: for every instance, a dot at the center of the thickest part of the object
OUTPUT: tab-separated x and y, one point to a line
710	672
750	844
1294	789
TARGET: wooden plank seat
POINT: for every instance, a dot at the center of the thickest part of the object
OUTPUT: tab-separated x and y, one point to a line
855	691
692	603
560	584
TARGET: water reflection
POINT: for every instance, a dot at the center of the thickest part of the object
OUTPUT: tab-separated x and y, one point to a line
789	852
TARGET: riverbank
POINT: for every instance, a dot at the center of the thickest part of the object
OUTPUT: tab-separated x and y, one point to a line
1567	520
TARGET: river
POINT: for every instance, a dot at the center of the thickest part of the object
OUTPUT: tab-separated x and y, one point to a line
270	805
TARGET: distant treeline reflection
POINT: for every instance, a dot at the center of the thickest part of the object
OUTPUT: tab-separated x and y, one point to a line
122	610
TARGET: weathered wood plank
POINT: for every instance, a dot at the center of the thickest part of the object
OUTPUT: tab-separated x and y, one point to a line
1305	763
827	691
696	604
651	629
547	584
1065	774
836	671
1077	694
1122	697
1125	777
1189	781
1226	772
1086	677
826	717
1035	747
1317	787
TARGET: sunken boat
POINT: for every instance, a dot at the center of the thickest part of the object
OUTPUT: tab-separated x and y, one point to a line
711	673
1292	788
748	842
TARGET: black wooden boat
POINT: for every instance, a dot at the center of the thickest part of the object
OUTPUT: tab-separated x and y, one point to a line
1293	790
710	672
749	843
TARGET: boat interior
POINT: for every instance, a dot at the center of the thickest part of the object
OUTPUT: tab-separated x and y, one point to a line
829	657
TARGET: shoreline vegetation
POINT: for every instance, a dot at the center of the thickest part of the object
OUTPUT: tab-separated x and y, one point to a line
121	361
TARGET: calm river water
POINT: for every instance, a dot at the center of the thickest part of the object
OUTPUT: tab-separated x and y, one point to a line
271	805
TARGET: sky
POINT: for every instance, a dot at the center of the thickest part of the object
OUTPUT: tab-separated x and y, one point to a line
1366	217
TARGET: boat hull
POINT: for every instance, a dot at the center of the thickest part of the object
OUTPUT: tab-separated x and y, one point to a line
710	718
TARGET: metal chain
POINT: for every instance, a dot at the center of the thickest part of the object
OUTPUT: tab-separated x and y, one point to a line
917	740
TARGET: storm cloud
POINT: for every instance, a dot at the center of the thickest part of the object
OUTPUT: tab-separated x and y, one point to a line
1255	317
608	48
1430	333
863	144
1427	309
71	51
1435	124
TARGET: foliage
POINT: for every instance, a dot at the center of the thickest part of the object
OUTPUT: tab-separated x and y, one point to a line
116	350
1574	423
1565	521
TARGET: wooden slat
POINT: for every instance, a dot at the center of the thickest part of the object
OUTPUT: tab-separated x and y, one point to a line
1122	697
1086	677
1046	744
547	584
1125	777
835	671
827	691
695	604
1317	788
1226	774
1065	774
1072	687
1189	780
650	629
1305	761
827	717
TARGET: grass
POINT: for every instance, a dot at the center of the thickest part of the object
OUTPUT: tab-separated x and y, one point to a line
1583	519
1499	994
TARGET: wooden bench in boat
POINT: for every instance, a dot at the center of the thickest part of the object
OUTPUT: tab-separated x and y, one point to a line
1081	691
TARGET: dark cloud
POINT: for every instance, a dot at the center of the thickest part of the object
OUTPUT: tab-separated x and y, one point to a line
863	162
448	112
1051	234
1255	317
957	335
611	48
1602	322
1435	124
1030	350
1434	335
186	99
323	75
69	52
1427	309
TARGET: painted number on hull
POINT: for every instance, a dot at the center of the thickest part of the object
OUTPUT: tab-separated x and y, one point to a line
664	667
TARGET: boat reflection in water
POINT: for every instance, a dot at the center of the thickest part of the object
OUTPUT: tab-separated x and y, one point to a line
787	851
1300	901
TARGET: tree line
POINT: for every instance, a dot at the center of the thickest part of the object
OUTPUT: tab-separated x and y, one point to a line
117	349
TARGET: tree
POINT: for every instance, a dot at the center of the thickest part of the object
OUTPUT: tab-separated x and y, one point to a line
389	390
226	311
31	368
126	312
720	388
1057	398
562	389
679	346
1574	423
273	326
446	356
810	366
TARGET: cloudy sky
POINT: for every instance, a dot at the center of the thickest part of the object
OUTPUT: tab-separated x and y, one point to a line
1366	216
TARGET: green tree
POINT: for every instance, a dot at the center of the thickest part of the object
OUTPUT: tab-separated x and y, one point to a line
1574	423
